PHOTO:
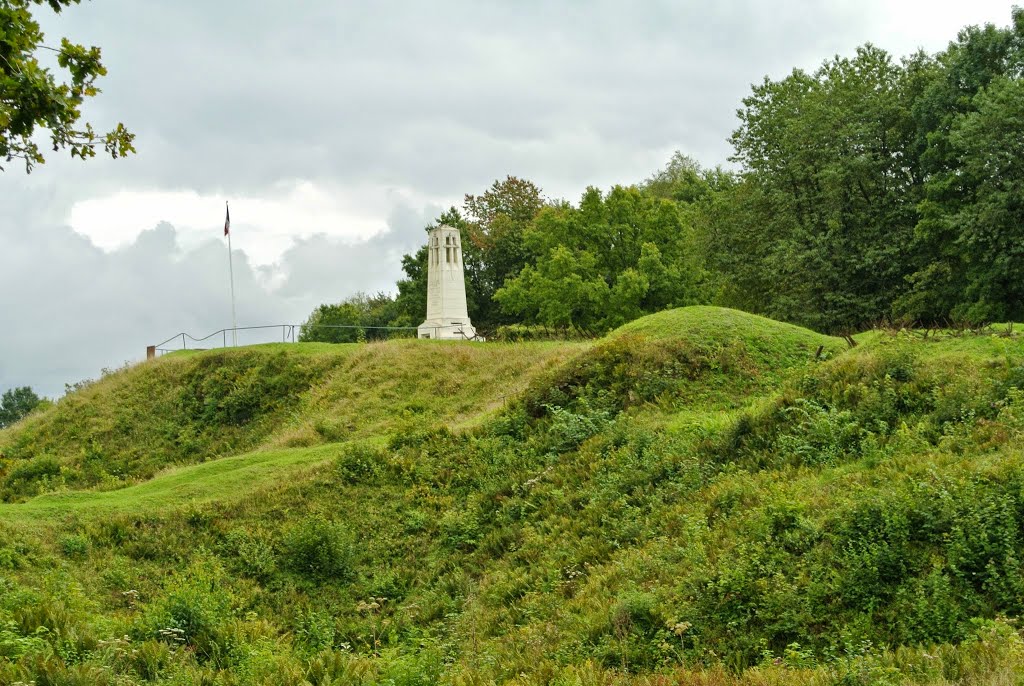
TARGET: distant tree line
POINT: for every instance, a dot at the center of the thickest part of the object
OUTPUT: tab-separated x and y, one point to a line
872	189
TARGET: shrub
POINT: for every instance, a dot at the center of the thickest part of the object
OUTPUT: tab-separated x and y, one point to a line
196	611
320	550
14	644
235	389
75	545
254	554
569	429
360	463
517	333
315	632
635	631
460	529
32	476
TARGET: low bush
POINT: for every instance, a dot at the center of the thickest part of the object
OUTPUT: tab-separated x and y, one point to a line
319	550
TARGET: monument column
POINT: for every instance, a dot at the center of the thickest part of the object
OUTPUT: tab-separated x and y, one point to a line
447	314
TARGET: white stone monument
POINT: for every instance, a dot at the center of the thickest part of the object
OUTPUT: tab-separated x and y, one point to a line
447	316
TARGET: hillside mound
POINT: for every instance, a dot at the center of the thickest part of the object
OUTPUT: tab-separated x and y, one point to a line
769	342
853	516
195	406
691	357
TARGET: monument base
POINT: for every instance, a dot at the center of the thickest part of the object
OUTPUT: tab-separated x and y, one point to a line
446	330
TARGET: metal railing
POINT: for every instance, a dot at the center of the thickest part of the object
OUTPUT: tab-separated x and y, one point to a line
287	332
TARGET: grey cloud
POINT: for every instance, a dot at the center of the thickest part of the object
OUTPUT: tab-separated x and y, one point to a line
321	264
240	95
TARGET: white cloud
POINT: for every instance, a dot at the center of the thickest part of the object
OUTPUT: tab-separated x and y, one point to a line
264	226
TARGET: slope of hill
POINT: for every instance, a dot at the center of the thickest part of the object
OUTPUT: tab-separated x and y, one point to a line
703	496
196	406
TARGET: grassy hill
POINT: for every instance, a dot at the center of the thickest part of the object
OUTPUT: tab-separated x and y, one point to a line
192	407
704	496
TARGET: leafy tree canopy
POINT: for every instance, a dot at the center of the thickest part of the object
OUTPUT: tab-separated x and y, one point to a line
968	114
32	98
612	259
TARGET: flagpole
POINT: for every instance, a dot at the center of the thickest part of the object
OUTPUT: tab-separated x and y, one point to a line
231	271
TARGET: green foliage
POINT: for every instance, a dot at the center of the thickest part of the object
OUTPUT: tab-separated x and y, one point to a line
611	260
14	644
319	550
234	391
189	408
701	496
360	462
492	226
195	610
495	225
352	321
870	189
33	476
254	553
515	333
178	410
683	180
75	545
17	403
591	268
460	529
963	111
989	223
32	99
829	158
411	301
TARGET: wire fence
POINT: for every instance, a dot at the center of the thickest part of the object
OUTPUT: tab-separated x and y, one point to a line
278	333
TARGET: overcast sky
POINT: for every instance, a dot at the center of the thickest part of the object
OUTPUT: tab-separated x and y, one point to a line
338	130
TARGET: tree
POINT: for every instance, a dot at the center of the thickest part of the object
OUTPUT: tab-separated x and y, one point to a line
31	98
614	258
968	117
351	320
682	180
831	157
17	403
564	290
493	226
411	301
991	224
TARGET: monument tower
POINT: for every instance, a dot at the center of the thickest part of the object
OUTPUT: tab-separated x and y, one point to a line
447	316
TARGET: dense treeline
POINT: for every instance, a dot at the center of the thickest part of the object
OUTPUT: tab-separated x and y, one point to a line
871	189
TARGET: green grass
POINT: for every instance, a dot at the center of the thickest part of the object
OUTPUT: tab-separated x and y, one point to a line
700	497
221	481
707	323
196	406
